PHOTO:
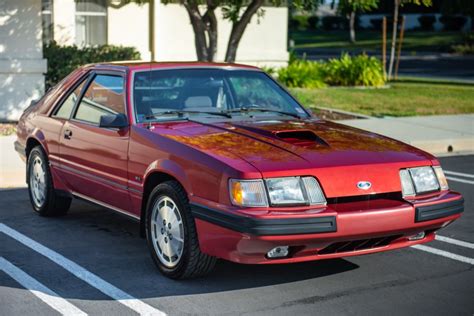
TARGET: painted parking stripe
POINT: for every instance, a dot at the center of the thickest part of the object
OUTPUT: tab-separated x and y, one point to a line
443	253
460	180
39	290
455	242
460	174
83	274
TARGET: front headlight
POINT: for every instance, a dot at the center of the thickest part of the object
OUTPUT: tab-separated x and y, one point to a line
421	180
280	191
285	191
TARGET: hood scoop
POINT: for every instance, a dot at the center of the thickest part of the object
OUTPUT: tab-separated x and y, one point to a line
303	138
298	137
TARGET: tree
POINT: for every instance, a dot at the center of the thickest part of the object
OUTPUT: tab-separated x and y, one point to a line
397	4
350	8
464	7
202	15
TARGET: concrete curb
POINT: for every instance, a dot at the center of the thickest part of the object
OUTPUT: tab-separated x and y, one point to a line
358	115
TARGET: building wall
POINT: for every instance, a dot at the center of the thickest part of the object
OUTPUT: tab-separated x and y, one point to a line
64	21
21	56
128	26
263	43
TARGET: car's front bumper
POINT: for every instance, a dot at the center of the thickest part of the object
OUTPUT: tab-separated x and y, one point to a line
337	231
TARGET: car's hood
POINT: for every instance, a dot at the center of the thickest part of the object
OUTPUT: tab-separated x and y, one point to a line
339	156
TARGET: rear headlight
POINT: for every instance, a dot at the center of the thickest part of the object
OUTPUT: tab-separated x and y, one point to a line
421	180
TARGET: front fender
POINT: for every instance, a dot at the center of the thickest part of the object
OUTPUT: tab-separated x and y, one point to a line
170	168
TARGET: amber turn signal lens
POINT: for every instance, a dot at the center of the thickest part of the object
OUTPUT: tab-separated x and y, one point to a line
248	193
237	194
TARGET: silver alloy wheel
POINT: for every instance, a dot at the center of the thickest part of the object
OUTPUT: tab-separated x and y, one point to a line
167	231
38	182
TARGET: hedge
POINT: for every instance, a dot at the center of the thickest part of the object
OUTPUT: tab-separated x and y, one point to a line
62	60
360	70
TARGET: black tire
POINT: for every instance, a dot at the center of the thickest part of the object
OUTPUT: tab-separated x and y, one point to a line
54	204
193	263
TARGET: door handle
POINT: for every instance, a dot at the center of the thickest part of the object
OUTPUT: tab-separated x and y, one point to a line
67	134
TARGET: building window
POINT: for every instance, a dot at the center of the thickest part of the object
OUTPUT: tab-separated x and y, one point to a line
47	20
91	22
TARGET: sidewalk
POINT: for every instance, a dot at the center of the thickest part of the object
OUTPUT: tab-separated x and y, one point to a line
439	135
12	168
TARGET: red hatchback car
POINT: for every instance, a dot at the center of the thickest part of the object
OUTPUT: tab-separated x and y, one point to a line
219	161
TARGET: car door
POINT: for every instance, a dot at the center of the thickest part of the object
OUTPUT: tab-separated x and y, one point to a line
94	159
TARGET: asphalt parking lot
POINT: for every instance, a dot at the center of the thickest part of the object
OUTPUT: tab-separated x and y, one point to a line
94	262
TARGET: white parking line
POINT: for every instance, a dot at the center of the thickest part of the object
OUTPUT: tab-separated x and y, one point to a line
460	180
83	274
39	290
443	253
455	242
461	174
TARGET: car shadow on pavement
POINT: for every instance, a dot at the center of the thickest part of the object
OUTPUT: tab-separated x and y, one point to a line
109	245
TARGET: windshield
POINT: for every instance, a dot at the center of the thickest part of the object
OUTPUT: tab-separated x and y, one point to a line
158	94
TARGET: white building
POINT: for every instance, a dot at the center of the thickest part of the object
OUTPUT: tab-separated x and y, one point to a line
26	24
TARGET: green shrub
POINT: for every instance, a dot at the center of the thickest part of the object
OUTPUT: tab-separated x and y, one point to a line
269	70
360	70
62	60
302	74
294	24
313	22
330	23
466	47
463	49
453	22
427	22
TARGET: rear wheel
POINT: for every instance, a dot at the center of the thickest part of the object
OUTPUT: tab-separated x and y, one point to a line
43	197
171	234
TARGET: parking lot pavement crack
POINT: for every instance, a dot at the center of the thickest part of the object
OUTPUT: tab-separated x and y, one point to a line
363	289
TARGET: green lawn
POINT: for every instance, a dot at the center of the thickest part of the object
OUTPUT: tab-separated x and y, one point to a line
371	40
403	98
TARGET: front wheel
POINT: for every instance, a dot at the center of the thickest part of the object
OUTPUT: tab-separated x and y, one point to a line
43	197
171	234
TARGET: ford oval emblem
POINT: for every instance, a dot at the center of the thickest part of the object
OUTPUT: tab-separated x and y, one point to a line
364	185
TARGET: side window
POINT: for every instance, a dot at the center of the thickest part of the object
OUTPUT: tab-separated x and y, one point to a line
105	95
65	109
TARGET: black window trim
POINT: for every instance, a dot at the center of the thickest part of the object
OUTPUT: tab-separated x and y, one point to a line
84	78
93	74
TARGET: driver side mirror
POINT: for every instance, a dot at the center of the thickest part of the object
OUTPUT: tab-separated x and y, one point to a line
113	121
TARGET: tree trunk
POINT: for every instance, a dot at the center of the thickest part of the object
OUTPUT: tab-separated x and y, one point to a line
238	28
394	39
199	29
210	21
352	26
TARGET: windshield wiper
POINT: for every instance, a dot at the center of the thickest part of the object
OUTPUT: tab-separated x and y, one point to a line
246	110
180	113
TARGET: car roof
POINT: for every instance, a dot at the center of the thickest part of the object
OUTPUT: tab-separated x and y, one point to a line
140	65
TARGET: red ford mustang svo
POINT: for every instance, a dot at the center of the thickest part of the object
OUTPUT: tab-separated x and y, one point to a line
219	161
